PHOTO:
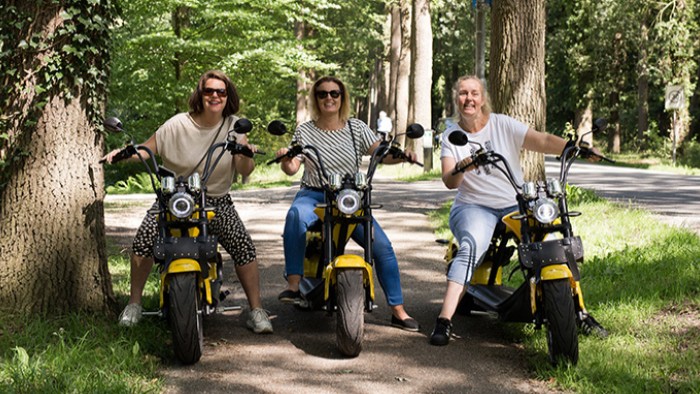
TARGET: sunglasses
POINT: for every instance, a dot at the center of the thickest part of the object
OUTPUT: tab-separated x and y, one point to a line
211	91
321	94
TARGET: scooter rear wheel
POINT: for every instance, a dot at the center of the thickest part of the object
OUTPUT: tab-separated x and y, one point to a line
185	317
350	322
560	315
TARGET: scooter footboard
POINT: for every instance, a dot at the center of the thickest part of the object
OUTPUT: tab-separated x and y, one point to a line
348	261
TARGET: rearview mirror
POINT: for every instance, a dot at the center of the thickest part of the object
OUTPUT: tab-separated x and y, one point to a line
113	124
276	128
414	131
242	126
458	138
599	125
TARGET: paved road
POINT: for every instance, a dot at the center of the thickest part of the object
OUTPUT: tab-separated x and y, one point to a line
674	199
301	356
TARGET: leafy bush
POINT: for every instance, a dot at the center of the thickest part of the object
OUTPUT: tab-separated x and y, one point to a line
690	154
139	183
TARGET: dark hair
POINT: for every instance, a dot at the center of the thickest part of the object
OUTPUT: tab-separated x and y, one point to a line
232	101
344	112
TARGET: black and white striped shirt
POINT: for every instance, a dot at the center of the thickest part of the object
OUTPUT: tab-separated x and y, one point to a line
340	153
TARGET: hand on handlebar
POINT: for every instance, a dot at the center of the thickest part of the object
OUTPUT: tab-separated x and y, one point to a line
594	155
117	155
463	165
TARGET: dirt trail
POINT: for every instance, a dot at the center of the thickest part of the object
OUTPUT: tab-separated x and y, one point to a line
301	356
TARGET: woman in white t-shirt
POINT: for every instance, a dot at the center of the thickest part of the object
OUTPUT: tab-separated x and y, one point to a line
484	195
181	142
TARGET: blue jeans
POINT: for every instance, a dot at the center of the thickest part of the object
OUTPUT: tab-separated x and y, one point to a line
301	215
472	226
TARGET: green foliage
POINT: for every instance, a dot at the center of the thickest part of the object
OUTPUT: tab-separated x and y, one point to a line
690	154
139	183
577	195
161	49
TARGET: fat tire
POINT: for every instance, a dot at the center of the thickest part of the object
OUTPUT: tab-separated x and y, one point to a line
350	321
185	317
560	315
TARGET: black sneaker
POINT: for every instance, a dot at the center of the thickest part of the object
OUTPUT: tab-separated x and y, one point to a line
441	332
290	297
589	326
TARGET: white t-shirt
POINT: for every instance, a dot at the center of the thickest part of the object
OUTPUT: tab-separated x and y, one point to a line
182	143
486	185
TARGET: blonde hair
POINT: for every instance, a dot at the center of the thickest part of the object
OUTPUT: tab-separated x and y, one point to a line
485	106
344	112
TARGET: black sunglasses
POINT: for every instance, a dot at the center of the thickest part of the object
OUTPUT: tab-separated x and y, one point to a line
211	91
321	94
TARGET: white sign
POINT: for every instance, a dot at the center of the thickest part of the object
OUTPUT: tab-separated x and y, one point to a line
675	98
427	138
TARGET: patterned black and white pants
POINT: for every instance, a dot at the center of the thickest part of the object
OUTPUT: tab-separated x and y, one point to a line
227	225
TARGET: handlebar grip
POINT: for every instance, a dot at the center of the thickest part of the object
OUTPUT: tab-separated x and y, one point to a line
121	155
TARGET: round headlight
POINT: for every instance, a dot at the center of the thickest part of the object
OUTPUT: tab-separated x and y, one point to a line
348	201
545	210
181	205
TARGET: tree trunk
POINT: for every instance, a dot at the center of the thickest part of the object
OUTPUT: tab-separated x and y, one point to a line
52	236
302	111
422	74
616	88
643	85
403	77
394	61
516	77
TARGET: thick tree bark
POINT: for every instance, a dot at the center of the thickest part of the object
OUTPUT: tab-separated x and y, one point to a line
394	60
422	72
516	78
404	70
52	237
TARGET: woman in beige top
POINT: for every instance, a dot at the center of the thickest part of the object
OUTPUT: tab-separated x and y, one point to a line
181	142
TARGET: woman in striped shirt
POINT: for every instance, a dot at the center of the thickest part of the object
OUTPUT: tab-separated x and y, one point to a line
341	141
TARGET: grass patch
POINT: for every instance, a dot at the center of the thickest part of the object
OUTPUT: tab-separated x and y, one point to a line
642	282
84	353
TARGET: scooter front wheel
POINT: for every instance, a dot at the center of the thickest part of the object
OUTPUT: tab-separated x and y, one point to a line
185	317
560	315
350	322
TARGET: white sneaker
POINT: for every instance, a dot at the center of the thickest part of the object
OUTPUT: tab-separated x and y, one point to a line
130	315
259	322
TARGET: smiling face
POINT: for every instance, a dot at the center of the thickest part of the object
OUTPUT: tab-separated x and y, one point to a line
214	96
327	104
470	98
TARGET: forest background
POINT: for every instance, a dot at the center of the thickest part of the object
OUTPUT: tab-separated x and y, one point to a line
603	59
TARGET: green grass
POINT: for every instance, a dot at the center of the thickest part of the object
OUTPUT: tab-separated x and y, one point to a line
84	353
641	280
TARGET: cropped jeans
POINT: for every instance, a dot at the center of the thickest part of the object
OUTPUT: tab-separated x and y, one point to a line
472	226
301	215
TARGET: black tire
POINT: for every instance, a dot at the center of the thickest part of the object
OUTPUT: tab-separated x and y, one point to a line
185	317
560	315
350	322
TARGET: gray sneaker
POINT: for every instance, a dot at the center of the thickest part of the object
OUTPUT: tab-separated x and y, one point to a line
259	322
130	315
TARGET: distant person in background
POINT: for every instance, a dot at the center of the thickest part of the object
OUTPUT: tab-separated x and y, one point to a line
384	125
